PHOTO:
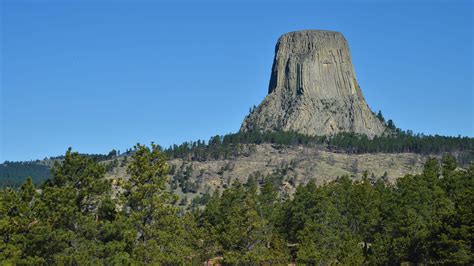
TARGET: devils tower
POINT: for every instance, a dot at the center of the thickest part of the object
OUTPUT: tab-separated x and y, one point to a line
313	89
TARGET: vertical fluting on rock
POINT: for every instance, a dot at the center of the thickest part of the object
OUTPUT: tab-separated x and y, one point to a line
313	89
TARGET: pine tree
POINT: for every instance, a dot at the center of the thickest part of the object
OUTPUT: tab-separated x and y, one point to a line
159	234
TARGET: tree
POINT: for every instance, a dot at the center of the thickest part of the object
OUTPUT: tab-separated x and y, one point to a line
380	116
112	154
16	221
318	221
354	167
159	233
242	233
66	222
414	213
452	238
391	124
364	213
79	217
448	165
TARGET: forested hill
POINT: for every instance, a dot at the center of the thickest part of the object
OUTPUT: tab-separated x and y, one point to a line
399	142
80	217
13	174
229	147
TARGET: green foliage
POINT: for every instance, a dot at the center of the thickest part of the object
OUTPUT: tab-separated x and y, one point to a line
380	116
423	219
230	145
60	224
13	174
79	217
239	223
159	233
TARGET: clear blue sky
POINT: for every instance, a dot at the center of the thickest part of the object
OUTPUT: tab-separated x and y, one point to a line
109	75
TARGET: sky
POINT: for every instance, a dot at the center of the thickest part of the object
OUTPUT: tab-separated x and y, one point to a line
103	75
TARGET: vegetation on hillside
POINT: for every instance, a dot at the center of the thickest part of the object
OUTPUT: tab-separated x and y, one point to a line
79	217
229	145
13	174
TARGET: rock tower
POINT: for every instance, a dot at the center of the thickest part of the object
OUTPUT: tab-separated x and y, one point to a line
313	89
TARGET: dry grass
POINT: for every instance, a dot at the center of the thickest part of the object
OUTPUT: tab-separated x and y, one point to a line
303	164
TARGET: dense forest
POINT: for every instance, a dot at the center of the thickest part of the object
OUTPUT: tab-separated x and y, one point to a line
229	145
78	217
14	174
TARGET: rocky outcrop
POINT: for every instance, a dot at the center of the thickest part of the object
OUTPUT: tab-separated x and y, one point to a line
313	89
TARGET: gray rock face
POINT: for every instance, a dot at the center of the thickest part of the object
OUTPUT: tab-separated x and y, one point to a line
313	89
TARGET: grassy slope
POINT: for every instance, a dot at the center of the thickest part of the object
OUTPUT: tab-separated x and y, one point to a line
302	163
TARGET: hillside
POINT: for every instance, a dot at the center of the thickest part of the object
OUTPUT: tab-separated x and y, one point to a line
80	217
203	166
13	174
292	165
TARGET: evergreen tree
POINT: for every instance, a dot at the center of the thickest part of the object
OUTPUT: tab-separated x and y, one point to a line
81	218
380	116
159	234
